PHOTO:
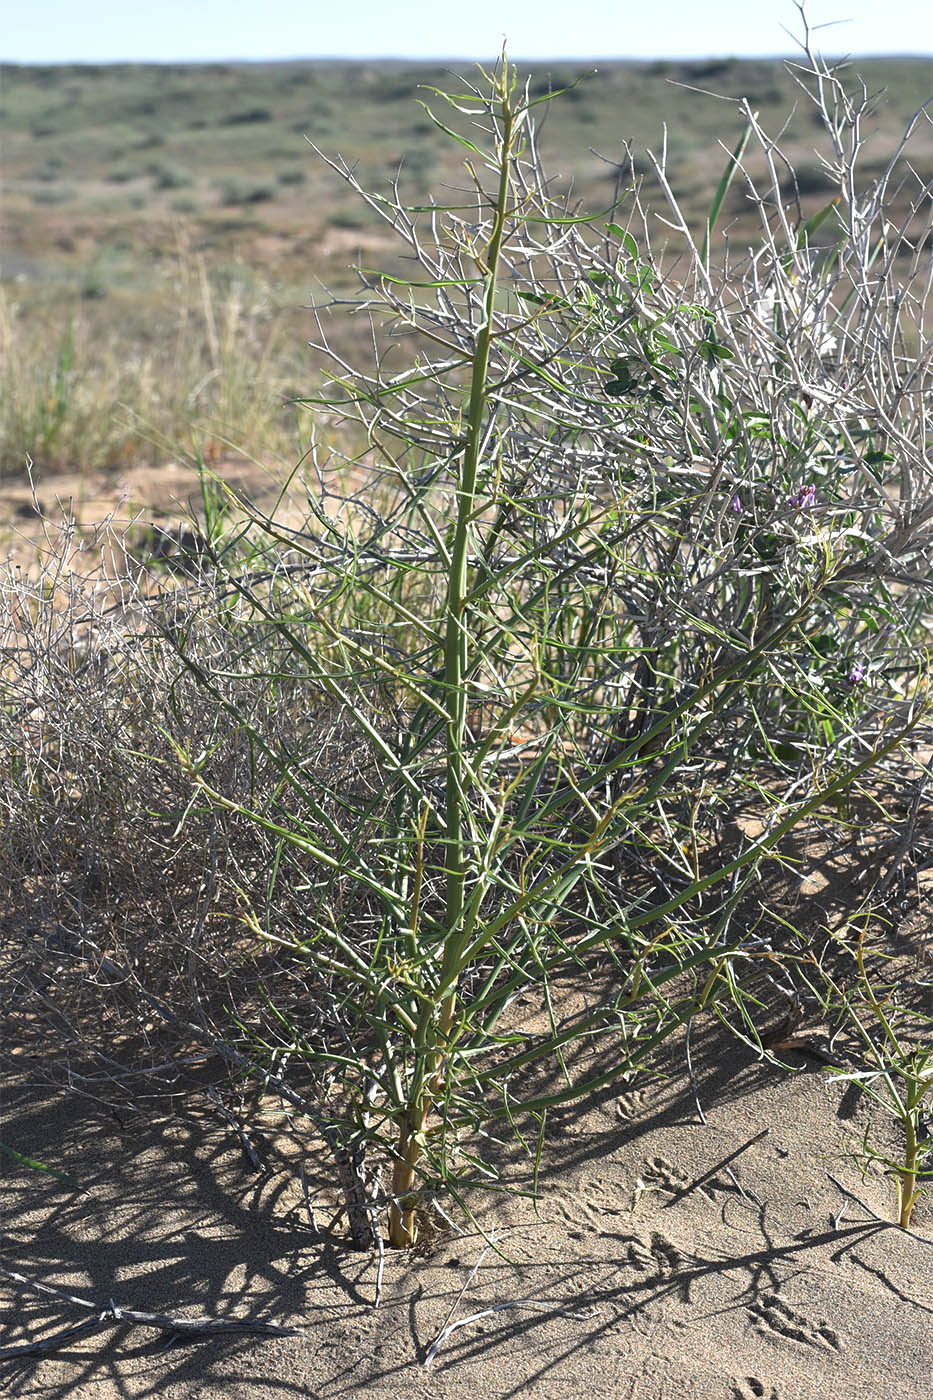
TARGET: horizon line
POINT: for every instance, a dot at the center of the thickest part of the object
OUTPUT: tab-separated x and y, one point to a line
723	56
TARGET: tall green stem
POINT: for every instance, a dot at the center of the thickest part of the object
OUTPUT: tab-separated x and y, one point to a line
436	1022
907	1175
457	638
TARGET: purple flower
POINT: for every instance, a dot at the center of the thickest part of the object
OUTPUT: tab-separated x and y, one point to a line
805	497
856	673
735	505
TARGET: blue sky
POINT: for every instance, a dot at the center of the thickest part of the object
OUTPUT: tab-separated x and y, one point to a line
103	30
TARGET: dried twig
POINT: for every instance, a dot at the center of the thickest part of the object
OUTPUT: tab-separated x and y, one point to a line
249	1150
456	1303
534	1303
307	1195
905	844
888	1224
110	1315
349	1165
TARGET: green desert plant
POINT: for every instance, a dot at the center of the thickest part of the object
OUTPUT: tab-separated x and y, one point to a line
612	554
896	1047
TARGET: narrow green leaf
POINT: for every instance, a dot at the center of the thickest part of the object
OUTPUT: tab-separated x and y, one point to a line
37	1166
815	221
448	131
722	188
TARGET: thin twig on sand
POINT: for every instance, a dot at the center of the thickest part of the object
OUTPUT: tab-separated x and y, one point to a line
111	1315
888	1224
535	1304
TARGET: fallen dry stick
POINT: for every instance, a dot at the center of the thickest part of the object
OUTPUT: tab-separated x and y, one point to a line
537	1304
110	1315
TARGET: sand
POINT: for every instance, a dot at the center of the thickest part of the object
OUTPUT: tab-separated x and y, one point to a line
666	1258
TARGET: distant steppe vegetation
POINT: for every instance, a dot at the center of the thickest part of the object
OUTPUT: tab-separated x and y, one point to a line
166	227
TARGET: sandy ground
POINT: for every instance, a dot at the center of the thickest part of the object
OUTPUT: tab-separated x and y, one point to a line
165	493
667	1258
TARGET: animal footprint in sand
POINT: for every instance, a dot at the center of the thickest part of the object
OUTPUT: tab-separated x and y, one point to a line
659	1175
633	1103
771	1314
594	1199
754	1389
660	1260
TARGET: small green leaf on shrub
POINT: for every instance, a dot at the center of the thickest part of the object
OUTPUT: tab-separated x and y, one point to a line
767	545
537	300
711	351
628	242
786	753
875	459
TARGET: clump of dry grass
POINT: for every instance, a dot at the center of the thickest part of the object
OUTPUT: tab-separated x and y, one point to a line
106	854
213	372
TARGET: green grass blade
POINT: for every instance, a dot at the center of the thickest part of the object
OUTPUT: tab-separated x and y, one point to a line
722	188
38	1166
